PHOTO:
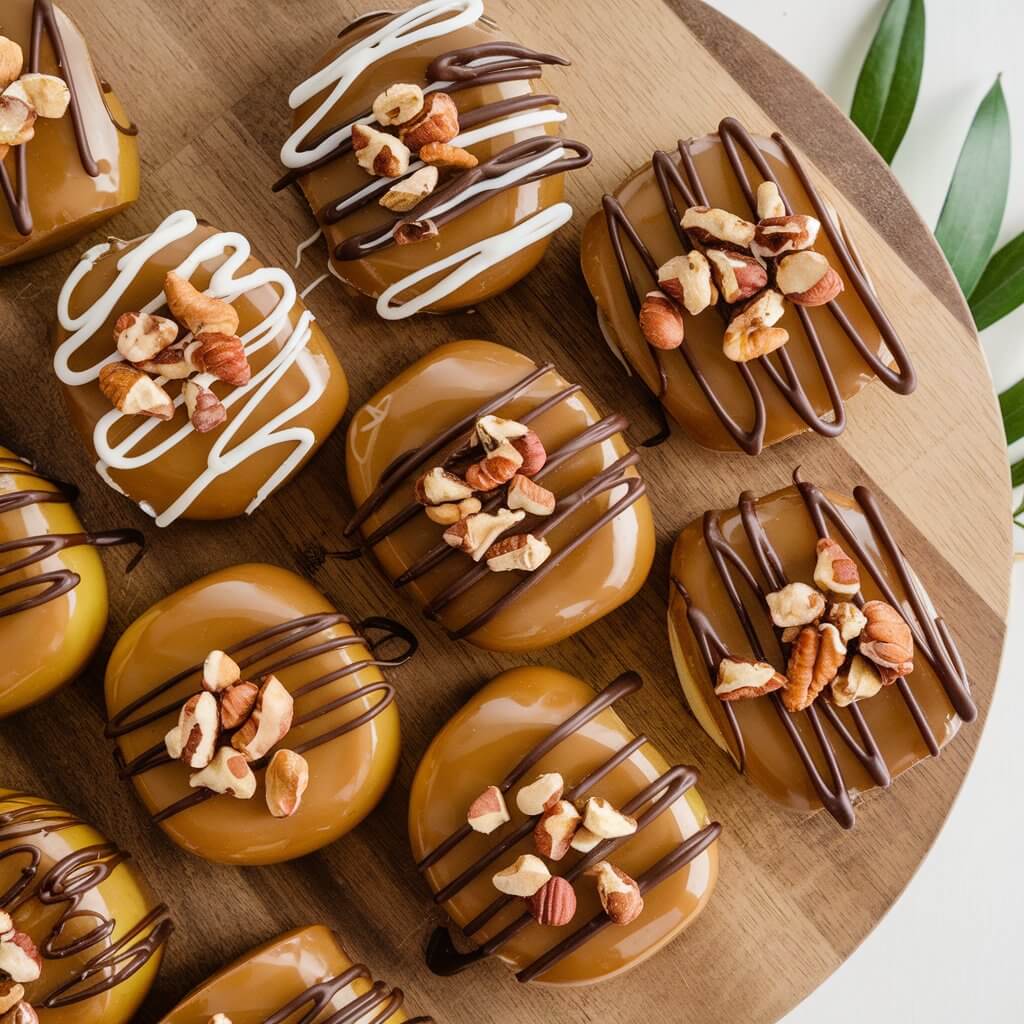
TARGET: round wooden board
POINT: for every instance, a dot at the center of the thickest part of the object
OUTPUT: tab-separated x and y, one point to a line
207	83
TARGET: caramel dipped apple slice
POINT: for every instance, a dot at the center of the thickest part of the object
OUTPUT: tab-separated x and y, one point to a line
69	155
808	648
81	937
252	717
728	243
195	374
556	839
53	592
303	972
495	493
429	152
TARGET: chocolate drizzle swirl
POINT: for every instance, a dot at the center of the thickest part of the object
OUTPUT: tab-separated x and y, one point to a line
467	449
67	884
250	652
452	72
44	18
677	176
442	956
47	586
931	638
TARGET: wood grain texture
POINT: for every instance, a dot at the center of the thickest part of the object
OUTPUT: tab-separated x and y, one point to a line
207	83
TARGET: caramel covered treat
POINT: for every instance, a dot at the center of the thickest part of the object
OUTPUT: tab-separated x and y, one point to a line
497	495
430	157
808	648
556	839
252	717
748	331
196	375
305	975
68	159
53	593
81	937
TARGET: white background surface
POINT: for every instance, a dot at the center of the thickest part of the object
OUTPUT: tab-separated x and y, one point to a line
950	950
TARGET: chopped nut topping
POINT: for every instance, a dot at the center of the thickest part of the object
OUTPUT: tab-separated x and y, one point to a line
522	552
488	811
523	878
742	679
398	103
378	153
796	605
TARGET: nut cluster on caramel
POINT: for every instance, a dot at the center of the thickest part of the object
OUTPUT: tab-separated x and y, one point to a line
560	827
232	723
20	965
749	269
425	124
25	97
832	641
513	455
148	345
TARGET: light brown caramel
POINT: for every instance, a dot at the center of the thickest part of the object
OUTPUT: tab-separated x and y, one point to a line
428	398
347	774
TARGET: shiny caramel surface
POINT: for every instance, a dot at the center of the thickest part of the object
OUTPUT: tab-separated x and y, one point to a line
682	397
47	646
504	211
772	763
122	898
160	482
429	397
268	978
347	775
479	746
66	202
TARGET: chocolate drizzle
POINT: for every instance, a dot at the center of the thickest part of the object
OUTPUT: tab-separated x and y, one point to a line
452	72
442	956
44	18
931	638
67	884
462	435
677	176
47	586
250	652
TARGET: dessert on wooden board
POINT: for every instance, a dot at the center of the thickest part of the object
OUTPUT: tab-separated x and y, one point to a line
555	838
431	157
195	375
304	975
729	243
53	592
68	158
81	937
496	494
808	647
252	717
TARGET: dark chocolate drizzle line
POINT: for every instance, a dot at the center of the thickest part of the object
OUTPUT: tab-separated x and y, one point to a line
442	956
131	129
462	434
277	639
931	638
43	17
48	586
671	182
66	885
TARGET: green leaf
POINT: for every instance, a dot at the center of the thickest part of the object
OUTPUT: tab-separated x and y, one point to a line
1017	475
1001	288
1011	405
973	212
891	76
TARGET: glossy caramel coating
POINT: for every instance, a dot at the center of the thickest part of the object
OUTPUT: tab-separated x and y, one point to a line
372	274
681	395
46	646
269	977
161	482
429	397
504	721
347	775
66	202
46	836
772	762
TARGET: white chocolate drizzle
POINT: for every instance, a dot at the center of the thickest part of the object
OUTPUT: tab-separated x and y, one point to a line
223	456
